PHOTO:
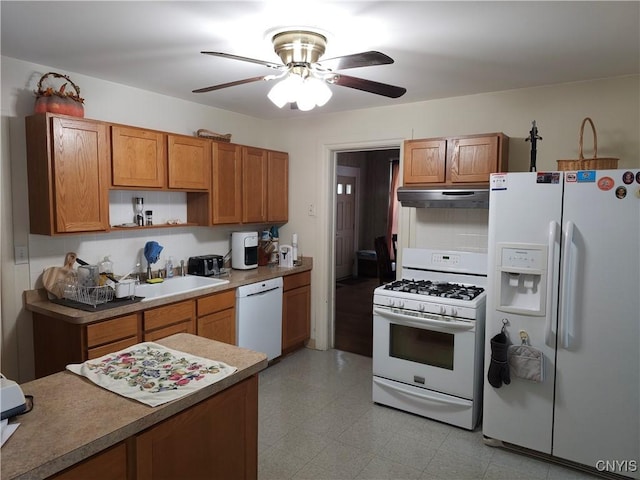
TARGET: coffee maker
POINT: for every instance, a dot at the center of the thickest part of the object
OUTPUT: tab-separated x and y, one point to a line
244	250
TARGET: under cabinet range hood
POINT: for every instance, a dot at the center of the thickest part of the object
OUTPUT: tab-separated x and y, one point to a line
425	197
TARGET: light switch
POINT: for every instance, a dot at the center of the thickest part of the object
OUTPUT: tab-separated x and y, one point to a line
21	254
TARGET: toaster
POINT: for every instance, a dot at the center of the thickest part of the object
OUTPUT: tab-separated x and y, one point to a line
205	265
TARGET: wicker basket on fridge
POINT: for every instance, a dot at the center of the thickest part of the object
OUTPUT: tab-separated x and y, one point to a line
595	163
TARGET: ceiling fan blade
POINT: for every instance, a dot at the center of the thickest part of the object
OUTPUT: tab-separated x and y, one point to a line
370	86
245	59
364	59
231	84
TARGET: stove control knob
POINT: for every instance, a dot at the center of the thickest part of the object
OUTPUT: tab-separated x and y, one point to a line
391	302
421	307
400	304
443	310
454	312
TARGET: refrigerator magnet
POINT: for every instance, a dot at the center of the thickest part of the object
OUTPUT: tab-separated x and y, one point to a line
627	177
621	192
586	176
606	183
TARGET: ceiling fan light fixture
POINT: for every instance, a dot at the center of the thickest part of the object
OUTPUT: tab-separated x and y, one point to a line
306	93
318	90
285	91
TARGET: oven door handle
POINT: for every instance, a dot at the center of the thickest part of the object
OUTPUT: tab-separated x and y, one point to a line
395	387
424	322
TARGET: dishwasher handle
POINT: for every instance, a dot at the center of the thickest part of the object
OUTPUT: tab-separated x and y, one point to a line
264	292
260	288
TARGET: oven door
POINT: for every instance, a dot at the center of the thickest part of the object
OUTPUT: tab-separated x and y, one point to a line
425	351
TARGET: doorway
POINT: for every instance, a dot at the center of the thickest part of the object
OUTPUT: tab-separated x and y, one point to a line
362	214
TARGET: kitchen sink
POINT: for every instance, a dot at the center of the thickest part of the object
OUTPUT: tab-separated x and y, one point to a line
175	286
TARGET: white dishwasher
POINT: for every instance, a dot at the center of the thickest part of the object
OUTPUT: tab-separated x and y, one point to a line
259	317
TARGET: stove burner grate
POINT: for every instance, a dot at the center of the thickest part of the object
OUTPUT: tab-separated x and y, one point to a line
435	289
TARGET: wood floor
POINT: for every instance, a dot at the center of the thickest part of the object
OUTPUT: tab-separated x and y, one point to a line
353	316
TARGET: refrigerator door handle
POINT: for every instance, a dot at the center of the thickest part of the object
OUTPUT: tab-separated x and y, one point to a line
566	293
551	316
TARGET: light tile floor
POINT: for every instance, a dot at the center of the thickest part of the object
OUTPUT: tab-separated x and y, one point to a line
317	421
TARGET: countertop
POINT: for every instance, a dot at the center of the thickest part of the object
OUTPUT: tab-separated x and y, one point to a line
38	300
73	419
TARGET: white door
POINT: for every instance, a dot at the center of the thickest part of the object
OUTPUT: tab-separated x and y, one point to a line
345	224
523	209
598	389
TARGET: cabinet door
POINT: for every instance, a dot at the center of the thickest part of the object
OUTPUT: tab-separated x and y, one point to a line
296	317
167	320
110	464
277	187
138	157
112	335
81	174
472	160
214	439
254	185
226	183
68	170
189	162
219	326
424	161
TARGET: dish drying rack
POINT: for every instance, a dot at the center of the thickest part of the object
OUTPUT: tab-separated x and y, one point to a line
88	295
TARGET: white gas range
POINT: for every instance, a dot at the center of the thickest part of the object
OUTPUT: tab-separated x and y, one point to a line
428	336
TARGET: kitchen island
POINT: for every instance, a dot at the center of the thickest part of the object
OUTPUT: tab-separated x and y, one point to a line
85	431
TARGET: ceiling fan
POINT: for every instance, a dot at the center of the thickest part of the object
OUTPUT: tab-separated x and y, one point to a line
304	78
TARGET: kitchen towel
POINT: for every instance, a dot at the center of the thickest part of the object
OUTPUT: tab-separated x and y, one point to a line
152	374
526	362
152	252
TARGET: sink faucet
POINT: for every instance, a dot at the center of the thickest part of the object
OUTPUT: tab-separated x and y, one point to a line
148	271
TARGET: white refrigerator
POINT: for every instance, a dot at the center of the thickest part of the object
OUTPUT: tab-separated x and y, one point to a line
564	268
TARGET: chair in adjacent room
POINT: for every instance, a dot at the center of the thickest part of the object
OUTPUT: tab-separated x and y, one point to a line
386	272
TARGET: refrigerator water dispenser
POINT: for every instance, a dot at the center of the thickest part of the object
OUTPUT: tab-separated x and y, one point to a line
522	278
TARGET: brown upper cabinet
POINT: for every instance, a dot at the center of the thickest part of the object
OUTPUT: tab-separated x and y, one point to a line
68	174
138	158
226	183
254	185
249	185
149	159
457	160
73	162
189	162
277	186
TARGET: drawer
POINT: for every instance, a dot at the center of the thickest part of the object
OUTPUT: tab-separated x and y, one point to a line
182	327
169	314
216	302
112	330
296	280
111	347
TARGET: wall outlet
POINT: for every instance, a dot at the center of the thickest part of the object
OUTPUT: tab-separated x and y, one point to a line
21	254
312	210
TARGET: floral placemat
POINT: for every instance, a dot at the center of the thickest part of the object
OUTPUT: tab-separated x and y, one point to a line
152	374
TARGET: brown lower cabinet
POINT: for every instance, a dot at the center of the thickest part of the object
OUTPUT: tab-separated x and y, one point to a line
296	311
215	439
58	343
217	317
170	319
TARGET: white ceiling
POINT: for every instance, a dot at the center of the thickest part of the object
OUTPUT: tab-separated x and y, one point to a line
441	49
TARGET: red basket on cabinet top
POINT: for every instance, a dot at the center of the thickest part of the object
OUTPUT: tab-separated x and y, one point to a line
63	101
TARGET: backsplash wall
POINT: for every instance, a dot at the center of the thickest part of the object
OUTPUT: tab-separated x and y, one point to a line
463	229
125	248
